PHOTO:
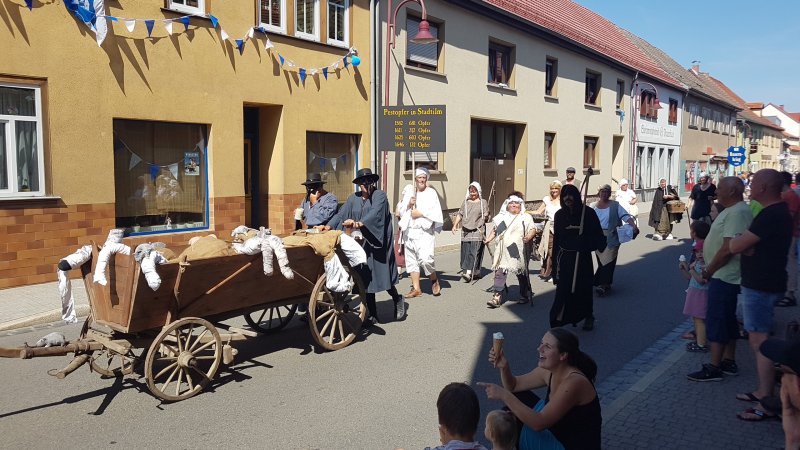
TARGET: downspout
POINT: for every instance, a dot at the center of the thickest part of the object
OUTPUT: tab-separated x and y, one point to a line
680	141
374	45
634	102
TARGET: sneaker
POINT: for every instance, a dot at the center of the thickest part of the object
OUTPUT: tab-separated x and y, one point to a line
729	367
669	237
694	347
657	237
708	373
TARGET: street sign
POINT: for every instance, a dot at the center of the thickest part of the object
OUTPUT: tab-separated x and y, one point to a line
416	128
736	156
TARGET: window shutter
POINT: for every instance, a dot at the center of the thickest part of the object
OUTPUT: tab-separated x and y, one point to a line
421	53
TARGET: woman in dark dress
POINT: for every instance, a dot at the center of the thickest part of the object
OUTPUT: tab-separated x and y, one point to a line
572	244
660	219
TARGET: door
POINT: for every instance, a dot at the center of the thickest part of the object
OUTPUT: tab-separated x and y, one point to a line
250	160
493	148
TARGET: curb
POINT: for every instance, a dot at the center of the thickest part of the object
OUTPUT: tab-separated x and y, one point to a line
51	316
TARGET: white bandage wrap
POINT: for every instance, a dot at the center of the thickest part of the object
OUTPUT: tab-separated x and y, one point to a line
352	250
74	260
336	277
148	264
109	249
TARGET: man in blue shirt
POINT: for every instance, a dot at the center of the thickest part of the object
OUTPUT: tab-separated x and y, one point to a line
319	205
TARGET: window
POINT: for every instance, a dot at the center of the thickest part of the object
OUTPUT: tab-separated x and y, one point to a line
589	151
492	140
673	112
648	103
429	160
333	155
639	168
549	156
705	118
694	119
338	22
620	93
188	6
726	124
21	153
273	15
592	89
550	77
306	19
160	175
717	125
650	174
425	56
500	64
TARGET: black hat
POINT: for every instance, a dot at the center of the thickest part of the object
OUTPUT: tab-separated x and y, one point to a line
365	176
313	178
782	352
571	169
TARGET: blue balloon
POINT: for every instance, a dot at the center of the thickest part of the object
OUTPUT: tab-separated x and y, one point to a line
355	60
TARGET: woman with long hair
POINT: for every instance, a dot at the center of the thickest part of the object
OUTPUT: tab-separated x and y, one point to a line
569	416
551	203
611	215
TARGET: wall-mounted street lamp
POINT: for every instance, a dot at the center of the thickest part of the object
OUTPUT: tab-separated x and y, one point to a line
423	36
656	101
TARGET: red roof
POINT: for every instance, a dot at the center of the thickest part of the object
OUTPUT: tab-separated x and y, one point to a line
585	27
745	113
755	105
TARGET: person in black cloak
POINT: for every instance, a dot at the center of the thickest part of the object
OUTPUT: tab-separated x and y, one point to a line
660	219
368	218
568	240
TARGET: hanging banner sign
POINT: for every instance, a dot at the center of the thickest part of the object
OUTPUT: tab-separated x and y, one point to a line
417	128
736	156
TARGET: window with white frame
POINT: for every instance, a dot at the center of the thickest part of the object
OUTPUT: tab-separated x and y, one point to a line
425	56
726	123
306	19
717	122
694	119
706	118
338	22
273	15
21	153
188	6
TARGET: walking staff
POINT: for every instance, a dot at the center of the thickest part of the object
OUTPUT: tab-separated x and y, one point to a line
584	192
479	258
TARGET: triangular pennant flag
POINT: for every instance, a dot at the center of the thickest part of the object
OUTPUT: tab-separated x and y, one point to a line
336	65
214	20
168	26
303	75
240	45
29	4
281	58
174	169
322	164
325	72
154	171
185	21
268	45
149	24
250	33
312	72
223	34
112	18
135	160
333	163
313	157
290	63
130	24
345	62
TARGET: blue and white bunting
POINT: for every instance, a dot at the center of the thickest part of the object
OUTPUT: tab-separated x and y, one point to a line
223	34
240	45
345	62
281	58
130	24
214	20
302	75
325	72
29	4
168	26
149	24
185	21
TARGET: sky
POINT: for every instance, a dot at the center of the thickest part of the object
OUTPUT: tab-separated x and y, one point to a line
752	47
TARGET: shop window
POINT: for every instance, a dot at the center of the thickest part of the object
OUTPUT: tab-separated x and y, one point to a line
589	151
160	175
673	112
500	64
273	15
425	56
592	88
21	153
549	150
334	156
306	19
338	22
550	77
197	7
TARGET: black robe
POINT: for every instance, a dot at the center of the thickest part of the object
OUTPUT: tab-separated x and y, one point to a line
570	307
376	216
659	203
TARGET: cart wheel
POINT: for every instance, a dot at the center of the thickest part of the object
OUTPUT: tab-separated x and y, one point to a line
270	320
112	364
336	317
183	359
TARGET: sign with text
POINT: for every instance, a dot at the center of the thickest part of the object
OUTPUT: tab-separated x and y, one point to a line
736	156
417	128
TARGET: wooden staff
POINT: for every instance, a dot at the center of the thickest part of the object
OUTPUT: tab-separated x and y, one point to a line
585	188
482	245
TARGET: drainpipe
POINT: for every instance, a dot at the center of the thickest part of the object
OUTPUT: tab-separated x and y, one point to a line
680	141
374	45
633	130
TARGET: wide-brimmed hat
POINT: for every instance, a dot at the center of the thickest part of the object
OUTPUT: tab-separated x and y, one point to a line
365	176
313	178
782	352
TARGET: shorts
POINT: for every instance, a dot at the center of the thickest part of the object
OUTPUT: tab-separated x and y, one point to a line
758	309
721	325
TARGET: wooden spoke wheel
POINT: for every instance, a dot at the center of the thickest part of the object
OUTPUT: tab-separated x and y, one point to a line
336	317
183	359
270	320
107	362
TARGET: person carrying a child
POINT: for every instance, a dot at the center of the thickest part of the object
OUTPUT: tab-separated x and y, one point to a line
696	302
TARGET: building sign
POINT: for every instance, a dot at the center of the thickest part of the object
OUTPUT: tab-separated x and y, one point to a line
736	156
417	128
658	134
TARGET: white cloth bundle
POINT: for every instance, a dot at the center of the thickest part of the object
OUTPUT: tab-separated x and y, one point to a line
115	235
148	256
276	245
336	277
353	250
74	260
249	247
109	249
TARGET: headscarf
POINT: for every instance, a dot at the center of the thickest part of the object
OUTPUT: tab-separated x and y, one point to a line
477	186
572	190
623	182
503	214
422	171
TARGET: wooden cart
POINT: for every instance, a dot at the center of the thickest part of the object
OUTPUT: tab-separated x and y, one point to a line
175	329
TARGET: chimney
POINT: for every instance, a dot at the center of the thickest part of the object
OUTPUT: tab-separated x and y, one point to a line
696	66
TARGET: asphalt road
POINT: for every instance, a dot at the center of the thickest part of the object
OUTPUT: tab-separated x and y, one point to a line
378	393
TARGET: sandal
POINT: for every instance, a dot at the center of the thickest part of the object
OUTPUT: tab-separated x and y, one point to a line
786	301
689	336
748	397
495	302
694	347
523	301
755	415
